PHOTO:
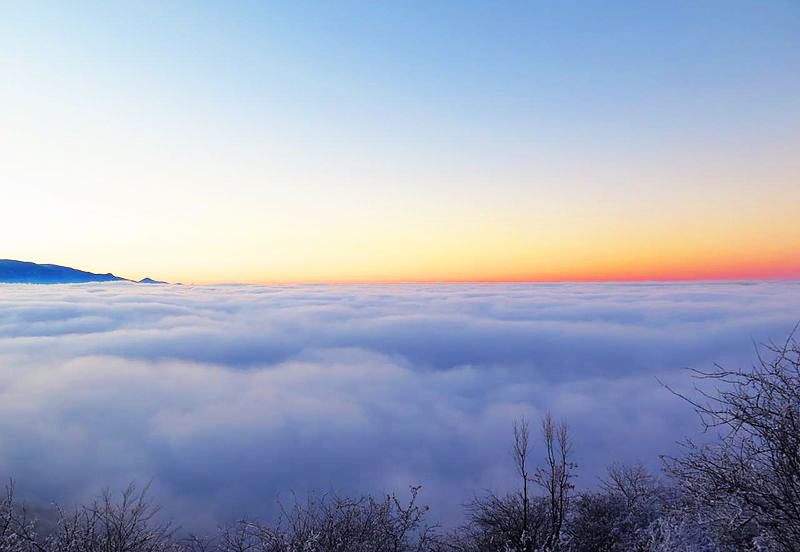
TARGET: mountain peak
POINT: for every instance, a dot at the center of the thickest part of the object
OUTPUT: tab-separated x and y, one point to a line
24	272
150	281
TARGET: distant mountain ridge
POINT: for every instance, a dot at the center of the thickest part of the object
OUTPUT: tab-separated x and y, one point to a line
23	272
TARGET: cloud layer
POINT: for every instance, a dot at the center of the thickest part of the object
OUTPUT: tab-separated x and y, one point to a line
228	396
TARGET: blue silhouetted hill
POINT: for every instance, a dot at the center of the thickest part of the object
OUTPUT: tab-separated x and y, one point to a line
21	272
150	281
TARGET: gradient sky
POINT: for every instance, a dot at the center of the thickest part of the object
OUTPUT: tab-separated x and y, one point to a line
378	141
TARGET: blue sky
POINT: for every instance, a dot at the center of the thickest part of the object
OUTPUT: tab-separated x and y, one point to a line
527	129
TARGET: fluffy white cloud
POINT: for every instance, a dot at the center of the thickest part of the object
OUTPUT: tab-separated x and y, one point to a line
227	396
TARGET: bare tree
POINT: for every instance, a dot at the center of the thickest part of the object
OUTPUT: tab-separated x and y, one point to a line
8	535
105	525
495	525
334	523
15	530
518	522
520	454
631	512
556	476
129	524
748	479
19	529
632	482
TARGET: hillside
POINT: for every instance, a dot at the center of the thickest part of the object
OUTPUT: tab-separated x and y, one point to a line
22	272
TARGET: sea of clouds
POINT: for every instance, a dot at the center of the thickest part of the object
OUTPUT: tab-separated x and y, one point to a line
227	397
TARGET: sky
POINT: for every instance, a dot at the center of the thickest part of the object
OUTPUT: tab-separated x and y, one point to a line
402	141
229	397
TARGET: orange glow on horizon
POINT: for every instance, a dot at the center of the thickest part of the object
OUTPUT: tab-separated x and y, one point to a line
720	271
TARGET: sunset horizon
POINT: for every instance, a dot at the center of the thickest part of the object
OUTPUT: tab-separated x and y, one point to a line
727	272
281	144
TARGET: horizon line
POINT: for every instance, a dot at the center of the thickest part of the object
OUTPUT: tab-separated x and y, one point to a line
421	281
